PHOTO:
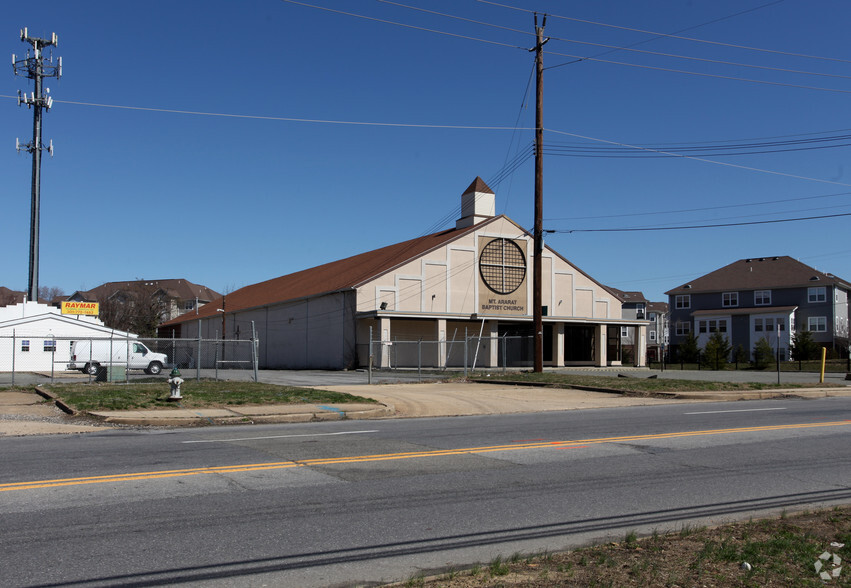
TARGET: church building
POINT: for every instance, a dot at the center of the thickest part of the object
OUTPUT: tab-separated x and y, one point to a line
473	280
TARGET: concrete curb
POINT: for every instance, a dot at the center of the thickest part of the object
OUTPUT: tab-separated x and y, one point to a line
47	394
237	418
809	392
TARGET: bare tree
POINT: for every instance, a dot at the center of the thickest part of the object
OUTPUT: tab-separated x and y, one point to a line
139	308
50	294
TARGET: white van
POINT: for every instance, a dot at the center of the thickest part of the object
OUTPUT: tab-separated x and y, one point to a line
89	354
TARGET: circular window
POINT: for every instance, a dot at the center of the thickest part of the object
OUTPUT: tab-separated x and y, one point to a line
502	266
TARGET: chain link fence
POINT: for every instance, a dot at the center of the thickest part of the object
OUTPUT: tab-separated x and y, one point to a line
27	359
467	353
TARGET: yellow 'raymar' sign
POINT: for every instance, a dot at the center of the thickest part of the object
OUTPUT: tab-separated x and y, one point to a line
80	308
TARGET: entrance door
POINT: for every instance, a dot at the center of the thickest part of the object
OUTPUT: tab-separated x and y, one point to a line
579	343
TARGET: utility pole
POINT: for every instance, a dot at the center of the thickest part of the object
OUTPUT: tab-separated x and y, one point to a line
538	233
35	68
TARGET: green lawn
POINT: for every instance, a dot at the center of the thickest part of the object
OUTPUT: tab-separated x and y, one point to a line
196	394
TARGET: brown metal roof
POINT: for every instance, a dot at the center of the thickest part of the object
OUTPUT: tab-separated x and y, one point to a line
338	275
478	185
756	273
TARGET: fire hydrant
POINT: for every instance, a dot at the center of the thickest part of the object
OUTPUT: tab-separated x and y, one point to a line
175	381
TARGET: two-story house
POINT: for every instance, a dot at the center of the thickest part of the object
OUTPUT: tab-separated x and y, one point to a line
175	297
770	297
657	331
634	306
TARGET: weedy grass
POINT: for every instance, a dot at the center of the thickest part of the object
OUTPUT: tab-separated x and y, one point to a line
196	394
634	385
779	552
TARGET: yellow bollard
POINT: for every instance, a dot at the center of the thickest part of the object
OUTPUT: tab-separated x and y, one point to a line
823	357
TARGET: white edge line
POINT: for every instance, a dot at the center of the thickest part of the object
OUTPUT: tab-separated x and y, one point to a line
279	437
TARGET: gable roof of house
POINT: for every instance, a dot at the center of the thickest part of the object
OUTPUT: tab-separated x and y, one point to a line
343	274
11	296
756	273
174	287
661	307
628	297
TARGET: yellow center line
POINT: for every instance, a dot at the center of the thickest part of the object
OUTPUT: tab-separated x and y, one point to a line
566	444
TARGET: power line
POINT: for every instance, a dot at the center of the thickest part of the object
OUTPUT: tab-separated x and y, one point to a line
708	146
710	226
675	36
704	209
691	58
287	118
690	157
399	24
578	58
569	151
701	74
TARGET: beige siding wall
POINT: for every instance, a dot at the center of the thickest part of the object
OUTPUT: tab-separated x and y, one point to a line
446	281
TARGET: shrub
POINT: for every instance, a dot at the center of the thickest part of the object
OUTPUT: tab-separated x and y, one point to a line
763	354
716	354
803	347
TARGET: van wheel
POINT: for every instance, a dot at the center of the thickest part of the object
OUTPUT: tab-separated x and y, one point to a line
91	369
154	368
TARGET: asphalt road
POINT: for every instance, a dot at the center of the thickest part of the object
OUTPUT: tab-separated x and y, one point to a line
353	502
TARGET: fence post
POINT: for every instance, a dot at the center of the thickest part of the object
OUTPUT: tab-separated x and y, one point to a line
465	353
13	357
369	358
254	345
173	352
127	362
52	360
419	359
91	350
198	360
504	353
216	356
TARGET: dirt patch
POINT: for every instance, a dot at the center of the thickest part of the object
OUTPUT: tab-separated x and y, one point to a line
778	552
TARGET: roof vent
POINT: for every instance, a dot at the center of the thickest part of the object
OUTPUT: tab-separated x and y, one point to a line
687	286
762	259
814	279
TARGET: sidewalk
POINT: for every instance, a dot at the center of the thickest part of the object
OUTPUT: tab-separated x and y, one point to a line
24	413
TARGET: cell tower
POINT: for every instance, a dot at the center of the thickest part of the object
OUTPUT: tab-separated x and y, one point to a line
36	68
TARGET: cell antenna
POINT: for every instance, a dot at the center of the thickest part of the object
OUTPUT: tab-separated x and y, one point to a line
35	67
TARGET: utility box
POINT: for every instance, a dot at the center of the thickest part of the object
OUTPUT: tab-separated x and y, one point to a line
112	373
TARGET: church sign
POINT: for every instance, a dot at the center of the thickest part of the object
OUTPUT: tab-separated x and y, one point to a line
502	276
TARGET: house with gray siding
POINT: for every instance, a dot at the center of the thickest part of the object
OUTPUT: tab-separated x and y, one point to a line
770	297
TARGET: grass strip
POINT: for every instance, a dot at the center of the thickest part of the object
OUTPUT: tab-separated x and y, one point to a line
196	394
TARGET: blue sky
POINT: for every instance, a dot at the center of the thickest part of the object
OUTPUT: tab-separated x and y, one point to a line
184	147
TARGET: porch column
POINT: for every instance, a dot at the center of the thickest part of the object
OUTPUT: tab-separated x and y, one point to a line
441	343
384	334
558	345
640	346
601	345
